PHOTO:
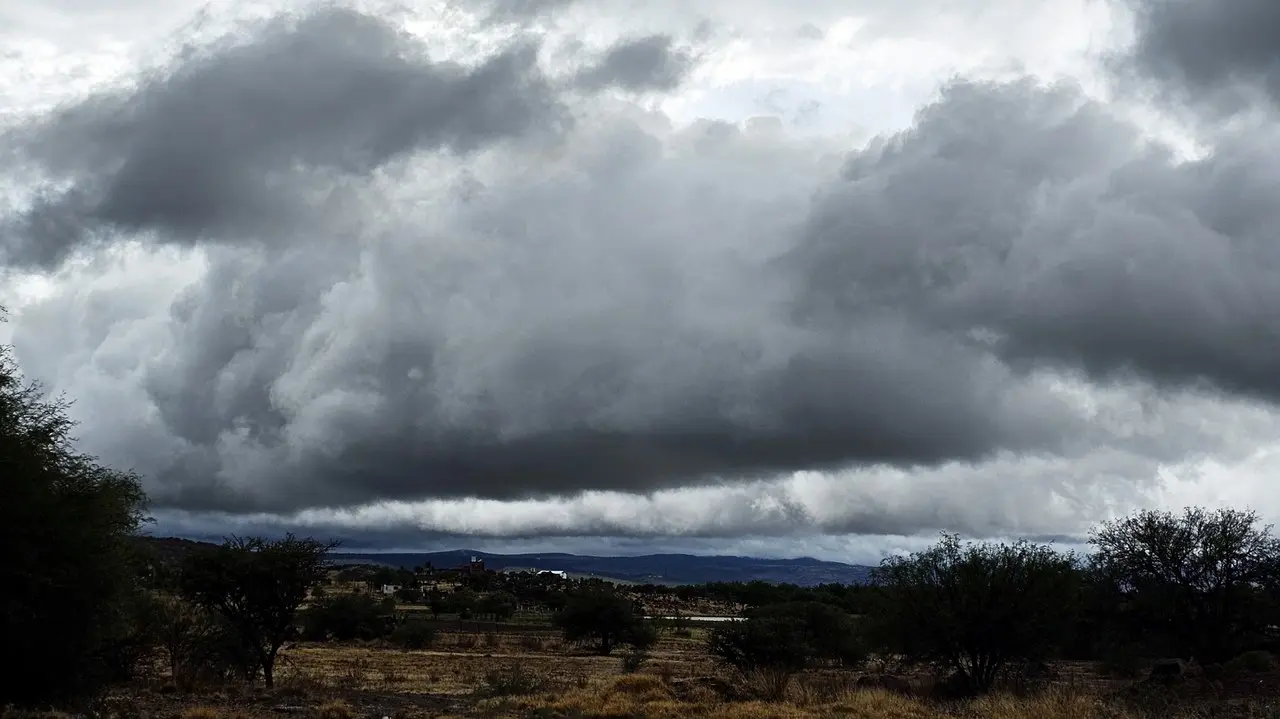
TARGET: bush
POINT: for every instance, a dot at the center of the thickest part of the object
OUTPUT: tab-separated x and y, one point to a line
634	660
603	617
977	608
198	645
414	635
1256	662
1122	662
829	633
762	643
345	617
512	681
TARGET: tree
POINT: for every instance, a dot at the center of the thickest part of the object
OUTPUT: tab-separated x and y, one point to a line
829	634
67	527
499	605
975	608
775	646
778	640
1196	583
197	643
463	603
257	586
345	617
600	615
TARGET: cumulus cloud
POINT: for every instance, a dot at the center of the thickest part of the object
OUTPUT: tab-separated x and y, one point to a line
411	298
230	141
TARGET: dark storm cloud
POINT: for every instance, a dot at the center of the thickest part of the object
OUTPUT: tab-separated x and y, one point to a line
1205	50
221	144
635	308
1060	234
639	64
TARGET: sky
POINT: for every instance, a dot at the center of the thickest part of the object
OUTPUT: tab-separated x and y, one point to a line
815	278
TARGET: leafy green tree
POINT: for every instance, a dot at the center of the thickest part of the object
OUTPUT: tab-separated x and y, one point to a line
976	608
67	526
601	616
1196	584
257	586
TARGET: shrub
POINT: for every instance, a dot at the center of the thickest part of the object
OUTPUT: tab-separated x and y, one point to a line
1255	662
345	617
414	635
334	710
512	681
634	660
531	643
976	608
603	617
1122	662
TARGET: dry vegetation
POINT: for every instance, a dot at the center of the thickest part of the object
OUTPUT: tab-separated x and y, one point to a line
527	673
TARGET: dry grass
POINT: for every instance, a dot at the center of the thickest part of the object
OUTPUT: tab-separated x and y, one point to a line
212	713
532	675
460	663
649	696
643	695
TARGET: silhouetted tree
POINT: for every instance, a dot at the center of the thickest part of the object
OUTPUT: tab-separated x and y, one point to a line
257	586
1196	583
67	579
774	645
830	634
602	616
976	608
499	605
345	617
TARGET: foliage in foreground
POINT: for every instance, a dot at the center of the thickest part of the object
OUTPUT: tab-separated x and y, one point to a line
976	608
66	557
606	618
257	586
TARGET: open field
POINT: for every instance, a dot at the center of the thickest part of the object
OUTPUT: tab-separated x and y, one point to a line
526	671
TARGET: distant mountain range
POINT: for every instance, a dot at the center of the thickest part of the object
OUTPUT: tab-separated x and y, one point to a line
647	569
651	568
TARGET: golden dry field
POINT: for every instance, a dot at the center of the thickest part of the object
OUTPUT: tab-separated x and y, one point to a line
525	671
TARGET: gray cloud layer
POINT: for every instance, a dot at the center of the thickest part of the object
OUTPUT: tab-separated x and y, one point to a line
611	303
638	64
1205	50
219	146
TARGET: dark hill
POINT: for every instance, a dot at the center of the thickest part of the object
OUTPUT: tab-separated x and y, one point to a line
169	550
651	568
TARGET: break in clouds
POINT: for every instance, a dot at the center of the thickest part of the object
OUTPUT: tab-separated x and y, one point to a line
313	275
